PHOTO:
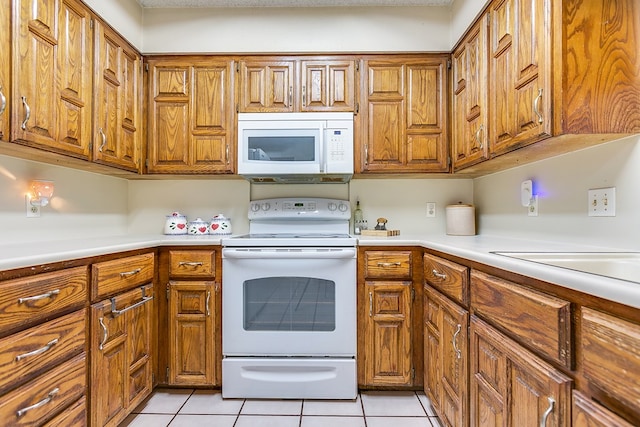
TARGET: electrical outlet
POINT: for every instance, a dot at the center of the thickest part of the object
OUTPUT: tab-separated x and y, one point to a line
431	209
533	206
32	211
602	201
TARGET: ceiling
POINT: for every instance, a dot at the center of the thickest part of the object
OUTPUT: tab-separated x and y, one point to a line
287	3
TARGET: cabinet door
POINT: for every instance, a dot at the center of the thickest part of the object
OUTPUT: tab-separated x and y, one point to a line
446	357
387	352
5	71
117	113
426	121
190	119
192	345
121	363
520	50
327	85
470	113
266	86
587	413
52	76
512	387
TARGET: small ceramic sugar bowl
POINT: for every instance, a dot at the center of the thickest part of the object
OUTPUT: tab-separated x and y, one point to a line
198	227
220	225
176	223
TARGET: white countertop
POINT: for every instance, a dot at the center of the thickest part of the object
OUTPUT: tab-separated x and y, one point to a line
475	248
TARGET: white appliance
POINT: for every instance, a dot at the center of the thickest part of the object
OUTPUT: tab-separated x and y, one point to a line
289	302
295	147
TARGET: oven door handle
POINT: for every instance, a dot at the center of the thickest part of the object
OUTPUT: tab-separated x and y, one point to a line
273	253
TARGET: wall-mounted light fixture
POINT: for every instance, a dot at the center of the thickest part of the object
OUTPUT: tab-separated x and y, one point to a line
41	192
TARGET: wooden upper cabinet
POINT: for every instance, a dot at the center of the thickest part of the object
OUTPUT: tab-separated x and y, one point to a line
52	99
520	91
5	72
118	108
191	118
266	86
327	85
405	124
295	84
470	115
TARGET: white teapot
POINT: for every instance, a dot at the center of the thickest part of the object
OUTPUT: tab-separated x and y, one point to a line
220	225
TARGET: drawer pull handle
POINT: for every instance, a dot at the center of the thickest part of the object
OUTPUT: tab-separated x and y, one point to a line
477	136
27	113
43	402
115	312
191	263
370	304
38	351
438	274
389	264
130	273
39	297
104	139
454	342
207	303
543	421
105	333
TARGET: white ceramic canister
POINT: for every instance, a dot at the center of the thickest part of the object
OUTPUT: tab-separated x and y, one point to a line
461	220
176	223
220	225
198	227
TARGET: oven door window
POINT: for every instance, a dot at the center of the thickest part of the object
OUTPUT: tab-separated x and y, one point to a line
289	304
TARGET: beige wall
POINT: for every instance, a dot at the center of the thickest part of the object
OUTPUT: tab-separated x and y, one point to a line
124	15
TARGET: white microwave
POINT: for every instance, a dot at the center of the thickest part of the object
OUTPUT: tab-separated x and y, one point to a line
295	147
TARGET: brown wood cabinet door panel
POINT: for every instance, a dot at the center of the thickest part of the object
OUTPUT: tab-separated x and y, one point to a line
40	348
541	321
41	399
587	413
266	86
192	263
191	333
389	333
139	336
327	85
111	277
386	134
386	80
209	109
30	300
610	348
388	265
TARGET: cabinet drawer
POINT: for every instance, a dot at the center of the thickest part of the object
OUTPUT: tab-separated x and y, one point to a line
538	320
111	277
448	277
41	399
74	416
30	300
192	263
35	350
587	413
387	264
611	355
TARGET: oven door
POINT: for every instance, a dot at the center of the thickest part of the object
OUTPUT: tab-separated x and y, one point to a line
289	302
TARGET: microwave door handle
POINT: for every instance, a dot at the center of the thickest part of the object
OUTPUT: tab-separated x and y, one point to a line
322	153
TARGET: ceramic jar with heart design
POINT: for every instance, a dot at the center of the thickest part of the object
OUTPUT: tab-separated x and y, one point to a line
198	227
220	225
176	223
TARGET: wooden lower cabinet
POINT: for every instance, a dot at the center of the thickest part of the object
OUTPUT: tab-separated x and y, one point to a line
511	387
587	413
193	345
387	334
121	364
446	357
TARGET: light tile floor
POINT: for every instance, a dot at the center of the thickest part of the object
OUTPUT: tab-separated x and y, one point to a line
190	408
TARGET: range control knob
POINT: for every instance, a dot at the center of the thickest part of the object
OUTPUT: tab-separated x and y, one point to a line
332	206
342	207
255	207
265	206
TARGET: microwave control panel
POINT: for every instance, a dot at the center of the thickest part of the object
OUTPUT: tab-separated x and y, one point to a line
337	143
